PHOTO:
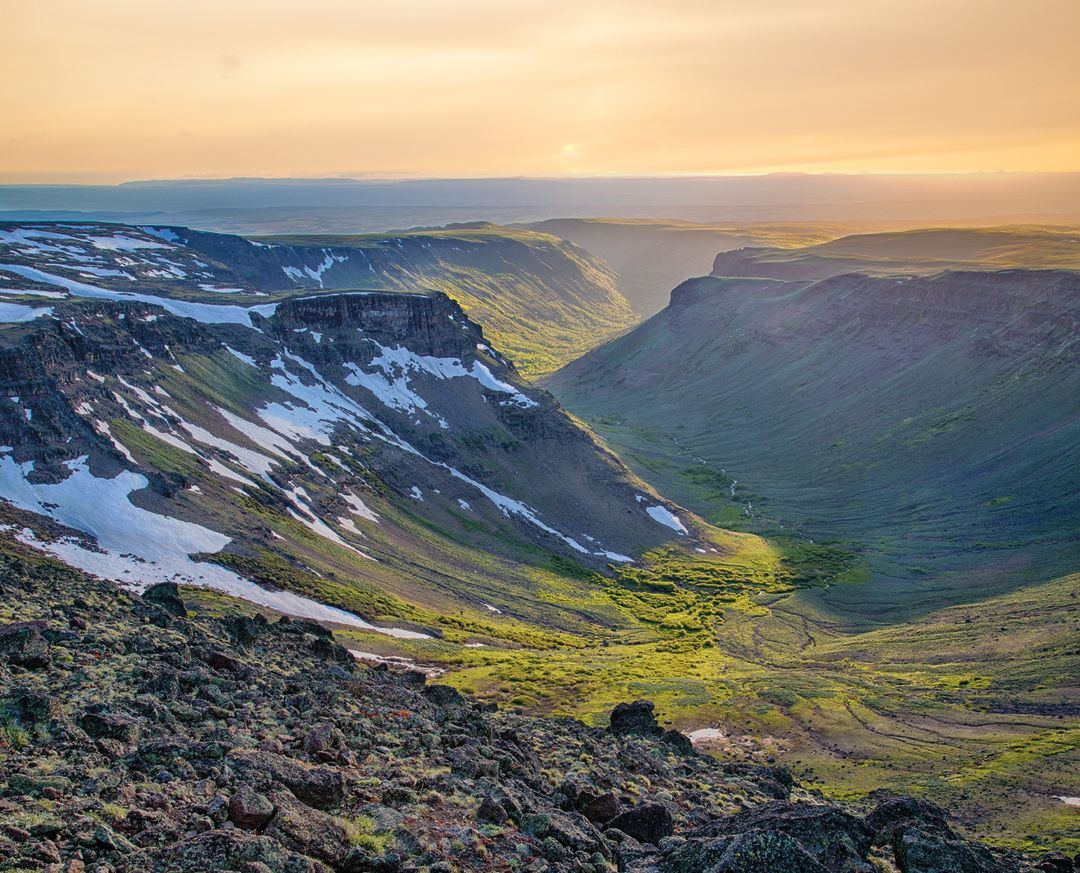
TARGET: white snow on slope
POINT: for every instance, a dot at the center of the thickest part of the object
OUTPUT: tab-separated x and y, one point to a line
665	516
161	233
391	385
120	243
32	292
207	313
240	356
16	312
358	507
217	289
324	406
142	548
329	259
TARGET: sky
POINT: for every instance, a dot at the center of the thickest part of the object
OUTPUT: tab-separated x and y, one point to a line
113	90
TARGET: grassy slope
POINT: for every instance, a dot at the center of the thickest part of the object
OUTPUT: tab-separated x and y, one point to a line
933	463
544	310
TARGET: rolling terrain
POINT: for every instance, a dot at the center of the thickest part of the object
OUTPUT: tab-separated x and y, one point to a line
544	301
189	408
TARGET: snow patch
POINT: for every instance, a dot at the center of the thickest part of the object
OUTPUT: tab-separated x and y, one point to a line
663	515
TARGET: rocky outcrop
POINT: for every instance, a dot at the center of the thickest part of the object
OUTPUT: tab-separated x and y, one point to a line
307	766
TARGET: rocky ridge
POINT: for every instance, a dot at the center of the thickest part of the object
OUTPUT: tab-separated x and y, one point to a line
143	733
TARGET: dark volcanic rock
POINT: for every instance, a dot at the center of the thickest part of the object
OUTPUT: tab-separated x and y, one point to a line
167	596
647	823
201	744
249	809
322	787
602	809
895	812
98	721
233	850
306	830
831	836
491	810
23	645
772	851
920	852
635	719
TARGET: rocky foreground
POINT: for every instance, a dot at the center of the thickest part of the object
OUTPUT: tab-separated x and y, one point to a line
137	736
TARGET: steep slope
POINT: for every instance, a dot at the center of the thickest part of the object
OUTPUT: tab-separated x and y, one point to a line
368	449
651	256
923	251
931	421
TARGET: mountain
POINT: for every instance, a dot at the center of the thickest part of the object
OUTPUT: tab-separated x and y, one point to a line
650	257
544	301
152	734
330	433
930	422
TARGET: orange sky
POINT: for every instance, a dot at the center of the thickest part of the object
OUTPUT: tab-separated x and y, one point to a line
108	90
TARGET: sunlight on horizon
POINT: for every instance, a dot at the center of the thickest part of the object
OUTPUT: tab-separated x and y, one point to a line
125	90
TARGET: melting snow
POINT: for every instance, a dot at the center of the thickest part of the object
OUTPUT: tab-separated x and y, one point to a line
392	387
141	548
11	313
120	243
329	259
240	356
704	735
207	313
664	516
217	289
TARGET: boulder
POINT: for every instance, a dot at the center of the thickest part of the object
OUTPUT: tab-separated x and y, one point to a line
895	812
322	787
23	645
918	851
679	742
831	836
772	851
233	850
635	719
225	662
646	823
491	811
167	596
101	722
602	808
309	831
250	810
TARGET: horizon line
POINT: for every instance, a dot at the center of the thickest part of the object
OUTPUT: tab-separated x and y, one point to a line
593	177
